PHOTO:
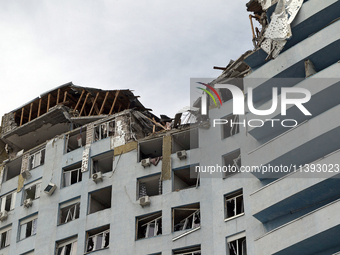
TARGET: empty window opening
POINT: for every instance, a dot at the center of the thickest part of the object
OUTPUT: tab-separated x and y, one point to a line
102	163
149	186
28	227
186	217
149	225
232	163
185	178
233	204
32	191
37	159
72	175
5	237
100	200
230	128
104	130
98	239
67	247
237	247
69	211
188	251
12	169
151	149
75	140
185	140
8	201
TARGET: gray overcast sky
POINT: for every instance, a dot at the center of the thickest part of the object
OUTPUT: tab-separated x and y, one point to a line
152	47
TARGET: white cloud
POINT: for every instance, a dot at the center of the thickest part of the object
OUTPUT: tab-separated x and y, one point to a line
152	47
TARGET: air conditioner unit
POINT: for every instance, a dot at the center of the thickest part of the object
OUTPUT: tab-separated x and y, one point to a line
51	187
181	154
26	174
145	162
28	202
144	200
97	177
3	215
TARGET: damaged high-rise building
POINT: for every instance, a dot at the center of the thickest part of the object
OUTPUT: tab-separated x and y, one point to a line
85	170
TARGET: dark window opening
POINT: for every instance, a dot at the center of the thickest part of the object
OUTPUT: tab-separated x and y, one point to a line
12	169
186	217
188	251
100	200
238	247
102	163
185	178
232	163
151	149
75	140
67	247
98	239
149	186
149	225
233	204
185	140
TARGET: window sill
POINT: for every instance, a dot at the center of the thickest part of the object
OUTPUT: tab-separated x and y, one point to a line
234	217
89	252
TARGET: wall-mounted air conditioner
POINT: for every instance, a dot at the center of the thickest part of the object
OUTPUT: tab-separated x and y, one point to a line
26	174
145	162
28	202
97	177
144	200
181	154
51	187
3	215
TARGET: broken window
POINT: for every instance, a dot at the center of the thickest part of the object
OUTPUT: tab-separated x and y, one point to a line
149	186
69	211
32	191
102	163
185	178
233	205
188	251
231	163
72	175
5	237
100	200
28	227
36	159
185	140
237	246
231	127
149	225
152	149
98	239
67	247
8	201
75	140
104	130
186	217
12	169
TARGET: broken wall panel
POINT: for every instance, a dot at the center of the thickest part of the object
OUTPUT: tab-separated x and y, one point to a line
24	167
166	162
125	148
85	158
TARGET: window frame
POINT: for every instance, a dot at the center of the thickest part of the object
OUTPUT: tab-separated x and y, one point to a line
37	193
73	202
8	231
233	196
63	243
31	162
34	220
95	242
13	195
